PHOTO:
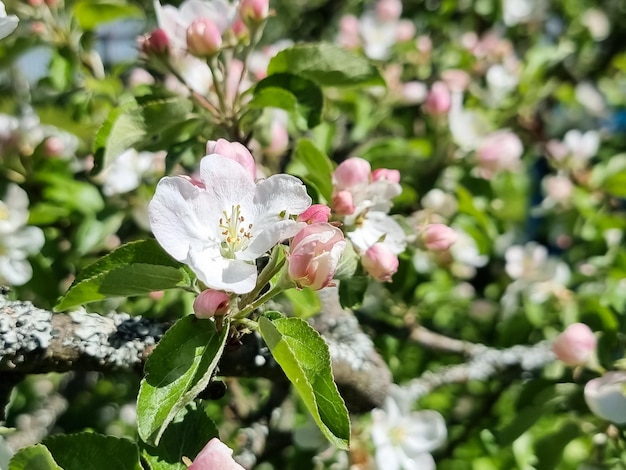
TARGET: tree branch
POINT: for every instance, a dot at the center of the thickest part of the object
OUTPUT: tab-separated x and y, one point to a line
35	341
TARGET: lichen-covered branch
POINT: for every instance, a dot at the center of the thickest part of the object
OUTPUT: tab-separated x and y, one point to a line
34	341
483	365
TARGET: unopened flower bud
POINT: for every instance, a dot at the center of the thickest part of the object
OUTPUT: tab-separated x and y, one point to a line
351	172
343	203
254	11
380	262
317	213
438	101
54	147
211	302
388	10
156	43
605	396
576	345
315	254
386	174
438	237
235	151
239	29
203	38
214	455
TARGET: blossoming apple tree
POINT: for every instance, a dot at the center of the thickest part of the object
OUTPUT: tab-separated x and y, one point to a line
330	234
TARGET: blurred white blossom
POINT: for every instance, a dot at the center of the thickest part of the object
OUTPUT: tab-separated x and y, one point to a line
17	240
405	438
8	23
127	170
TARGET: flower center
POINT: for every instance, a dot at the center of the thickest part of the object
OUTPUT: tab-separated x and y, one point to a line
397	435
4	211
237	234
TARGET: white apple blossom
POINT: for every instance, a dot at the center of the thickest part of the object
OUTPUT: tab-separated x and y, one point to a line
378	227
8	23
222	223
17	240
405	438
535	275
126	171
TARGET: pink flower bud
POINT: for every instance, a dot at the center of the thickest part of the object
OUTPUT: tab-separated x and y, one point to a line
317	213
239	29
351	172
438	101
575	345
405	30
215	455
211	302
254	11
315	254
156	43
456	79
385	174
605	396
438	237
343	203
203	38
500	150
54	147
380	262
349	36
234	151
388	10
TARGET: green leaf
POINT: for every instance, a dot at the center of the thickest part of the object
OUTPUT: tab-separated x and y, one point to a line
352	291
186	435
326	65
35	457
69	194
93	451
132	269
178	369
304	357
299	96
313	166
91	13
616	184
124	128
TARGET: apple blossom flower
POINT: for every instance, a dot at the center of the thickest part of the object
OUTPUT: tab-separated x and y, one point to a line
438	100
215	456
210	302
8	23
343	203
348	36
235	151
438	237
219	228
317	213
404	438
575	345
499	151
558	190
378	227
315	254
125	172
203	38
534	273
377	35
17	240
605	396
380	262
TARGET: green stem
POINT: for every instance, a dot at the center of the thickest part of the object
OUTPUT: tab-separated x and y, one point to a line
248	309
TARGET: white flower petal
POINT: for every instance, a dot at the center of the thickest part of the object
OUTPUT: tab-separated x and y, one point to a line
280	194
387	457
14	271
377	226
226	180
181	215
425	431
270	236
220	273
